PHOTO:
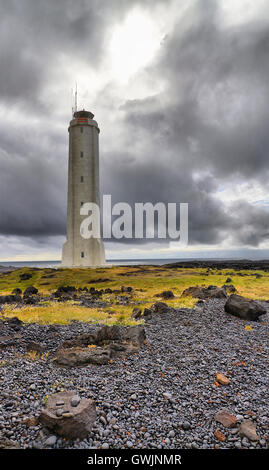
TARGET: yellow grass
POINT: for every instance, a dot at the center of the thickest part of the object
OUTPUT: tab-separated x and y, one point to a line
65	312
146	281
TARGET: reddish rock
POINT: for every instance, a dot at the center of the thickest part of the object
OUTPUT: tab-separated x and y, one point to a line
222	379
220	436
226	418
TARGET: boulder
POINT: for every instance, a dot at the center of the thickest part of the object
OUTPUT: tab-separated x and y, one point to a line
126	289
75	422
66	292
80	341
31	290
229	288
147	314
16	291
73	357
100	346
167	294
7	341
108	290
159	307
31	299
14	323
244	308
36	347
134	335
10	299
25	276
136	313
205	292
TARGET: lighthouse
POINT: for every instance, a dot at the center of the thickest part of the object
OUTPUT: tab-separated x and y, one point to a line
83	187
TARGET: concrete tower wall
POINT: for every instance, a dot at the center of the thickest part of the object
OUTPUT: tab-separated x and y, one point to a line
83	186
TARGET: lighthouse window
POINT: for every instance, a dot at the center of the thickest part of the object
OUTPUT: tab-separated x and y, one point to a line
81	130
81	203
82	254
81	154
81	179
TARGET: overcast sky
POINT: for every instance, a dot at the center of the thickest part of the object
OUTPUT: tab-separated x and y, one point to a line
180	91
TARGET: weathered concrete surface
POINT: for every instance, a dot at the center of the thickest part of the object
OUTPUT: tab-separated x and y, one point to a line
83	187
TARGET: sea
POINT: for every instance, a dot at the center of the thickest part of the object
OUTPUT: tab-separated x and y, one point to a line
115	262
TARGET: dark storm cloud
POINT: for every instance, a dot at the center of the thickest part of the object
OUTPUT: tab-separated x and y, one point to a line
211	120
33	193
207	128
153	180
33	159
216	95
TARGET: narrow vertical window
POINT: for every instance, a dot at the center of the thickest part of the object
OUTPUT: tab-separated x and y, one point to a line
82	254
81	179
81	203
81	154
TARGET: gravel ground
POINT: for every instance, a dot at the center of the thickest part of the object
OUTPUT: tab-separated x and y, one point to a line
165	396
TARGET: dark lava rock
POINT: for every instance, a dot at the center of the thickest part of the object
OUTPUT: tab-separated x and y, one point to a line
108	290
25	276
99	347
229	288
229	279
36	347
16	291
65	293
126	289
31	290
73	357
75	422
205	292
137	313
159	307
244	308
31	300
167	294
134	335
80	341
14	322
10	299
147	313
7	341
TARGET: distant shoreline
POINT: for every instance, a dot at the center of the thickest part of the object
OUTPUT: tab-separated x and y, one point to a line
210	263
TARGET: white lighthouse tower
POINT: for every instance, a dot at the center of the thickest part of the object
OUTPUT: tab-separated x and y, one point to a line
83	187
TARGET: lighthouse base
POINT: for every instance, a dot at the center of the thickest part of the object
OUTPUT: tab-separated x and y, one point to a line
86	254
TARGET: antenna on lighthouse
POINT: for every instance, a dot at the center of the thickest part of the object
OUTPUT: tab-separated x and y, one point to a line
72	107
76	98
